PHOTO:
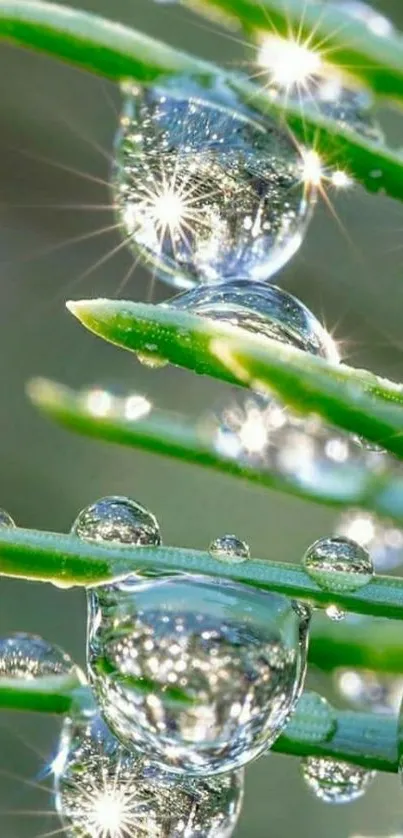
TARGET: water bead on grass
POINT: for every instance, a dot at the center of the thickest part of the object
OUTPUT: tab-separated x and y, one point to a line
200	675
104	791
338	564
334	781
206	193
28	656
229	548
117	519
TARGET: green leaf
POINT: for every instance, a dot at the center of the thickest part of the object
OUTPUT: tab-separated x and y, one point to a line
67	560
116	52
173	436
354	400
344	42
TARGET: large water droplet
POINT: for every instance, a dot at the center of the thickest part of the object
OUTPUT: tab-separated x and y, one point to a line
365	690
206	193
338	564
117	519
334	781
29	656
198	674
263	310
105	791
381	537
363	12
229	548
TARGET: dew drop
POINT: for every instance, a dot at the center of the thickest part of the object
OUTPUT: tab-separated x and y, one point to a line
335	613
314	719
200	675
263	310
229	548
338	564
297	74
6	519
381	537
103	790
364	13
334	781
369	691
28	656
119	520
151	360
190	172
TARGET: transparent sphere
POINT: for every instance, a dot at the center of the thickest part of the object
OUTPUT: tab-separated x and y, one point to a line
381	537
205	193
261	309
199	674
29	656
338	564
229	548
119	520
334	781
105	791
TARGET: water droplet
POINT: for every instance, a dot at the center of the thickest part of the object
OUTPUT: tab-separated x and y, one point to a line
381	537
365	690
201	675
117	519
335	613
29	656
229	548
151	360
6	519
334	781
105	791
313	720
338	564
189	172
299	75
263	310
364	13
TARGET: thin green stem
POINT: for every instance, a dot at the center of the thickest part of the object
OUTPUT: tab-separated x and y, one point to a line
116	52
364	739
355	400
167	434
52	557
346	43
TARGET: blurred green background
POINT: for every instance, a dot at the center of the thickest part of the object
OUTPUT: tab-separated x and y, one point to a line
57	128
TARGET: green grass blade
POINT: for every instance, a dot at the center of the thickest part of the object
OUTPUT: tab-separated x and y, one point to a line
53	557
51	694
347	43
116	52
172	436
354	400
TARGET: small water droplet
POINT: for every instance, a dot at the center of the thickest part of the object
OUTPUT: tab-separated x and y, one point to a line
365	690
314	719
364	13
335	613
263	310
101	789
229	548
151	360
380	536
117	519
198	674
6	519
338	564
188	172
29	656
334	781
